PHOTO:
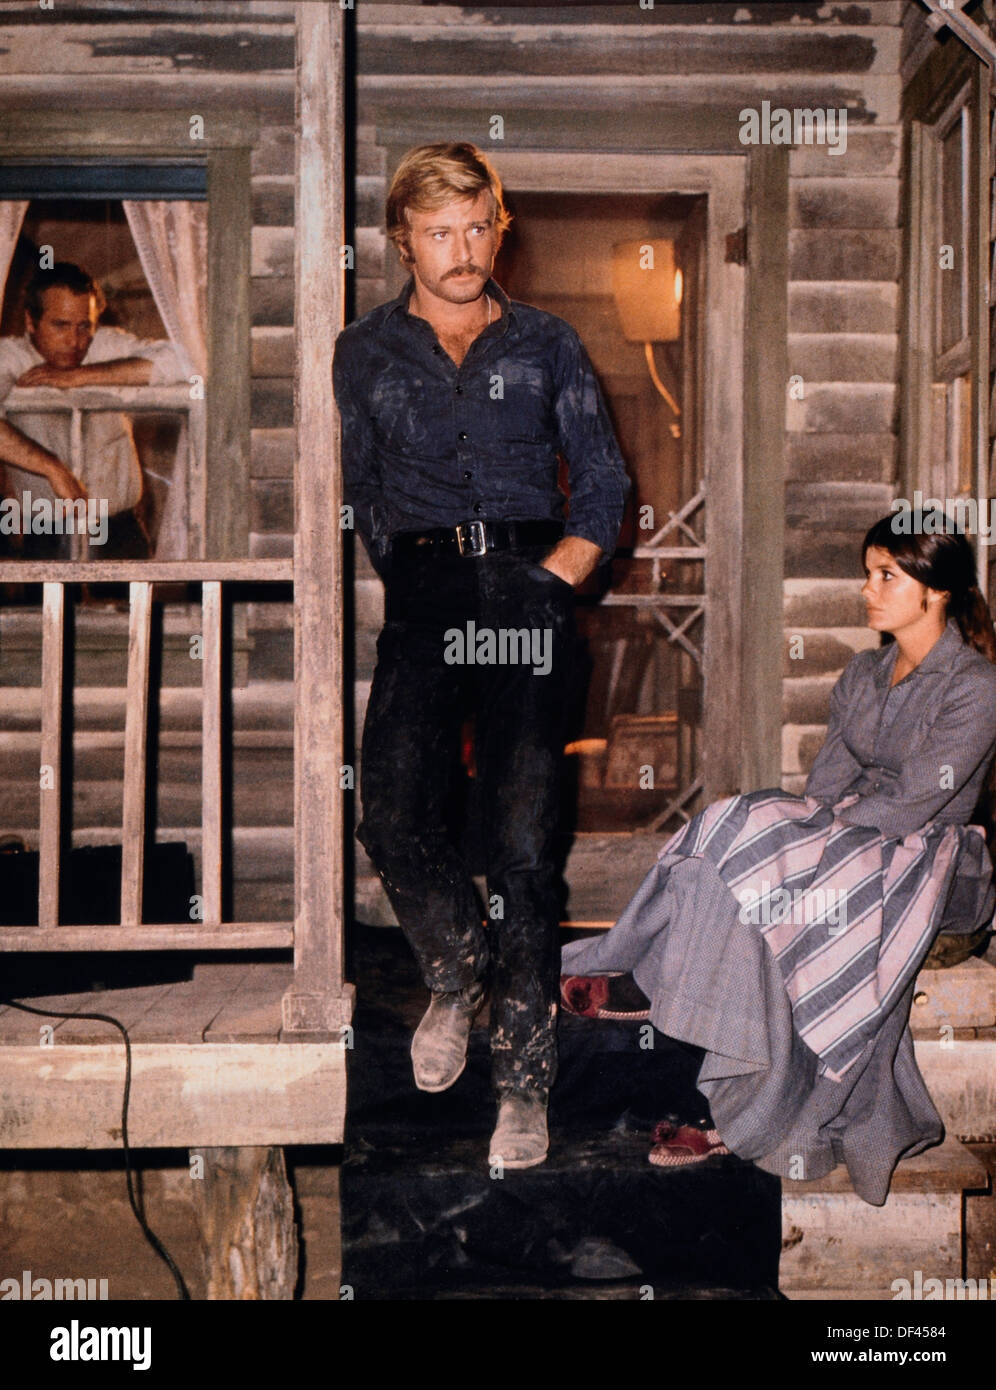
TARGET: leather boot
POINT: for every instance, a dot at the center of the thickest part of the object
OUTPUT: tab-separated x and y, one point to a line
439	1047
520	1139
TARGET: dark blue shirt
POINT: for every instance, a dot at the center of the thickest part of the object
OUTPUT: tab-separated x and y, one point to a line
427	443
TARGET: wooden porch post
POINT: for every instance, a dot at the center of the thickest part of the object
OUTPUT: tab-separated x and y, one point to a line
316	1004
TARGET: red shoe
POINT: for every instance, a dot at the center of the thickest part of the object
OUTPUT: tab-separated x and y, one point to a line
604	996
678	1146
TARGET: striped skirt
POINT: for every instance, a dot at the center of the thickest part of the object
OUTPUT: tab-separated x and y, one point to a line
785	943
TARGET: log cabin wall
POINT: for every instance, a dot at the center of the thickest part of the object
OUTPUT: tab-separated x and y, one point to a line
175	60
601	79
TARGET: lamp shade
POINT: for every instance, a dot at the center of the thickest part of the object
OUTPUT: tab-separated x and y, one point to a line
646	283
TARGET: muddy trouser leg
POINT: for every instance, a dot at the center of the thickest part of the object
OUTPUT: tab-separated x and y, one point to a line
520	730
410	746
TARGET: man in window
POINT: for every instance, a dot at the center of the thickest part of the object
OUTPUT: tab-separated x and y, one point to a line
64	347
456	405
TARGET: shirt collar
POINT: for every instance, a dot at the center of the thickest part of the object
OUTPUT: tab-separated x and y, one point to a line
491	287
937	660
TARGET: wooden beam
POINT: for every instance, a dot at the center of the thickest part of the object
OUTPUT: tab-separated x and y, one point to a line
211	780
135	755
154	571
50	822
158	936
226	522
979	294
315	1004
183	1095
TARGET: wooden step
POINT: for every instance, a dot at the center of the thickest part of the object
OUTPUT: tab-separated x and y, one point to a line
835	1245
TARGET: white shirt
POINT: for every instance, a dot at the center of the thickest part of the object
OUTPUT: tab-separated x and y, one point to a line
110	468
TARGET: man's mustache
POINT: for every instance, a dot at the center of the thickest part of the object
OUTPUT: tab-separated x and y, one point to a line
464	270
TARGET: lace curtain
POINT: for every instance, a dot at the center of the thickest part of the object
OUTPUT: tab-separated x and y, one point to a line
171	239
11	218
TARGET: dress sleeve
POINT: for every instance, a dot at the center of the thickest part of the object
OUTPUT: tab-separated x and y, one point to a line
360	466
595	468
836	767
959	741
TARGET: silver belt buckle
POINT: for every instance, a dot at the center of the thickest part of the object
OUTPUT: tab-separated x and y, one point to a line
477	545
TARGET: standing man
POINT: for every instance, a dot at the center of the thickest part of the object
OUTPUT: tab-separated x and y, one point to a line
455	404
64	347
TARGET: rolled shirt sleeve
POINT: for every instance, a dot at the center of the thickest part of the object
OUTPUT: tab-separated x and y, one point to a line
596	470
109	344
360	465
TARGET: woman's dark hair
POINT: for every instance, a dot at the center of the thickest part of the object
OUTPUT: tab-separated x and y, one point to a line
929	547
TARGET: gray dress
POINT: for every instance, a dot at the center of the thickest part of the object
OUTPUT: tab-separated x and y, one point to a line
915	757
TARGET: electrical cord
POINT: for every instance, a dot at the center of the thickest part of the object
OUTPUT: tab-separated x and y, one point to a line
136	1206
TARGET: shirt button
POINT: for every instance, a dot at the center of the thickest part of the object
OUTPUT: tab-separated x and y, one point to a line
459	390
437	349
467	476
477	506
462	434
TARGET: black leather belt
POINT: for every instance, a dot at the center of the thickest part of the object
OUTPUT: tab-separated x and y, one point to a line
475	538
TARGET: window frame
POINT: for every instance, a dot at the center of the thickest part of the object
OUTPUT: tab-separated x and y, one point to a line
224	145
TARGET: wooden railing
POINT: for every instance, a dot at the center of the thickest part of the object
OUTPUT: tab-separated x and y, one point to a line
129	400
131	934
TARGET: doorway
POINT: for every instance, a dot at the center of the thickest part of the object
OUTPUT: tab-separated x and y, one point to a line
634	754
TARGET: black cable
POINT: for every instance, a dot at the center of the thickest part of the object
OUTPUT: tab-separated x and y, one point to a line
136	1207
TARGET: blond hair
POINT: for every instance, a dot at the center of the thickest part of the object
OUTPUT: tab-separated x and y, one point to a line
430	176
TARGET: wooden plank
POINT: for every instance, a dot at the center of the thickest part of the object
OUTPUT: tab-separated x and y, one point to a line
834	1240
149	571
765	377
169	936
857	204
253	1013
18	1028
314	1005
214	1094
980	424
947	1167
841	253
135	755
229	236
608	49
33	131
869	357
211	777
128	1006
50	822
849	307
273	450
835	407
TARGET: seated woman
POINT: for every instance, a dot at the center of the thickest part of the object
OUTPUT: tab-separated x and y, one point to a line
783	934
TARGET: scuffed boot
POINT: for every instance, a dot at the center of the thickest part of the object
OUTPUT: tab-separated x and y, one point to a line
521	1139
439	1047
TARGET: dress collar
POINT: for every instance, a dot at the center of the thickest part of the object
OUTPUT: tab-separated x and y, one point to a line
937	660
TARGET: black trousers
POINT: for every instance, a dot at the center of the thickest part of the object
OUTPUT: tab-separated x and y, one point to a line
430	671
